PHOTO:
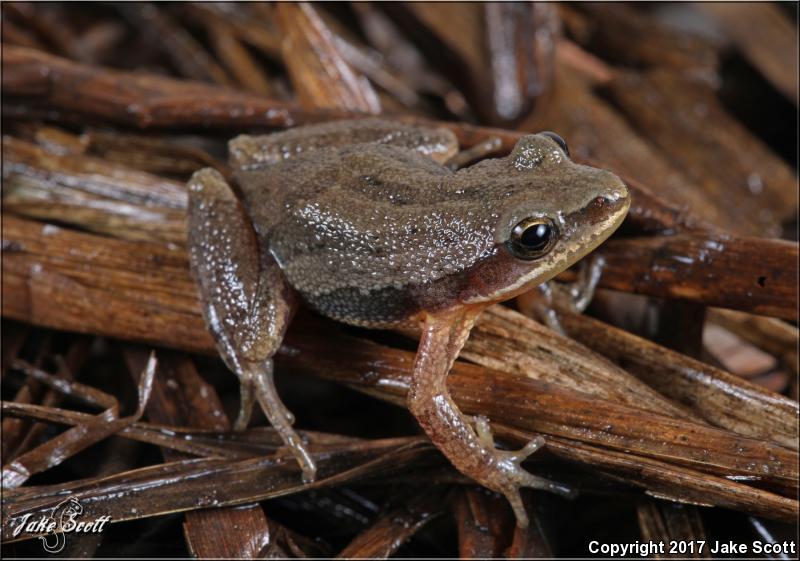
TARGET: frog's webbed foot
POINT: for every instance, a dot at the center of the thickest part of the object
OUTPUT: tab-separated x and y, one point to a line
510	462
484	432
470	450
547	299
245	300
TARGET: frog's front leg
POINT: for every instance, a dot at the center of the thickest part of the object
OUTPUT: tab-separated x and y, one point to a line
246	302
471	451
546	300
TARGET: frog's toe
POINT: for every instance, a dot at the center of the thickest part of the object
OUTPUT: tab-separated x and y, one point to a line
281	418
515	500
522	478
247	399
483	430
208	184
508	476
307	465
511	464
297	448
294	444
519	456
514	476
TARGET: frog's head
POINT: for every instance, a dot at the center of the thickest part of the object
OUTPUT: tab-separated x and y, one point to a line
547	213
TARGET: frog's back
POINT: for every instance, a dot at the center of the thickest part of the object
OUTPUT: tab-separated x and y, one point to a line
278	169
256	152
354	227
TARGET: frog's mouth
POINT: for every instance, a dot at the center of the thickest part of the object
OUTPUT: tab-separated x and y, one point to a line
503	276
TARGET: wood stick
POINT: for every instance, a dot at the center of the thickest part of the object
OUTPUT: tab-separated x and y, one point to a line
748	274
392	529
766	36
749	183
319	73
720	397
144	293
35	82
772	335
223	532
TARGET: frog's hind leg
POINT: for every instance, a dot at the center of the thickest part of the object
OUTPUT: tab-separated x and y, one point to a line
477	152
245	300
470	450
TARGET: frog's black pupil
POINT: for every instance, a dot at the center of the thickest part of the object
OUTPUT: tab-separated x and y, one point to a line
536	237
532	238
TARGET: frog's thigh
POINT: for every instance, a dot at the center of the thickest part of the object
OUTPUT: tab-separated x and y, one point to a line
246	302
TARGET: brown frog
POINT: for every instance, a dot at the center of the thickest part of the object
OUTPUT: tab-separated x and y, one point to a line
363	222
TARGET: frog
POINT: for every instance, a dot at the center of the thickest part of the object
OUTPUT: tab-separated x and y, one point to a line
364	222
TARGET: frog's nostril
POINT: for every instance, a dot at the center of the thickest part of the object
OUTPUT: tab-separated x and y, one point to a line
606	200
615	194
610	200
613	198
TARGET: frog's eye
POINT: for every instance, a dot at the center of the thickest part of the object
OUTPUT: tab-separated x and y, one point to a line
532	238
560	141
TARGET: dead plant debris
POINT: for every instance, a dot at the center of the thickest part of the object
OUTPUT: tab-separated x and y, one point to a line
671	405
